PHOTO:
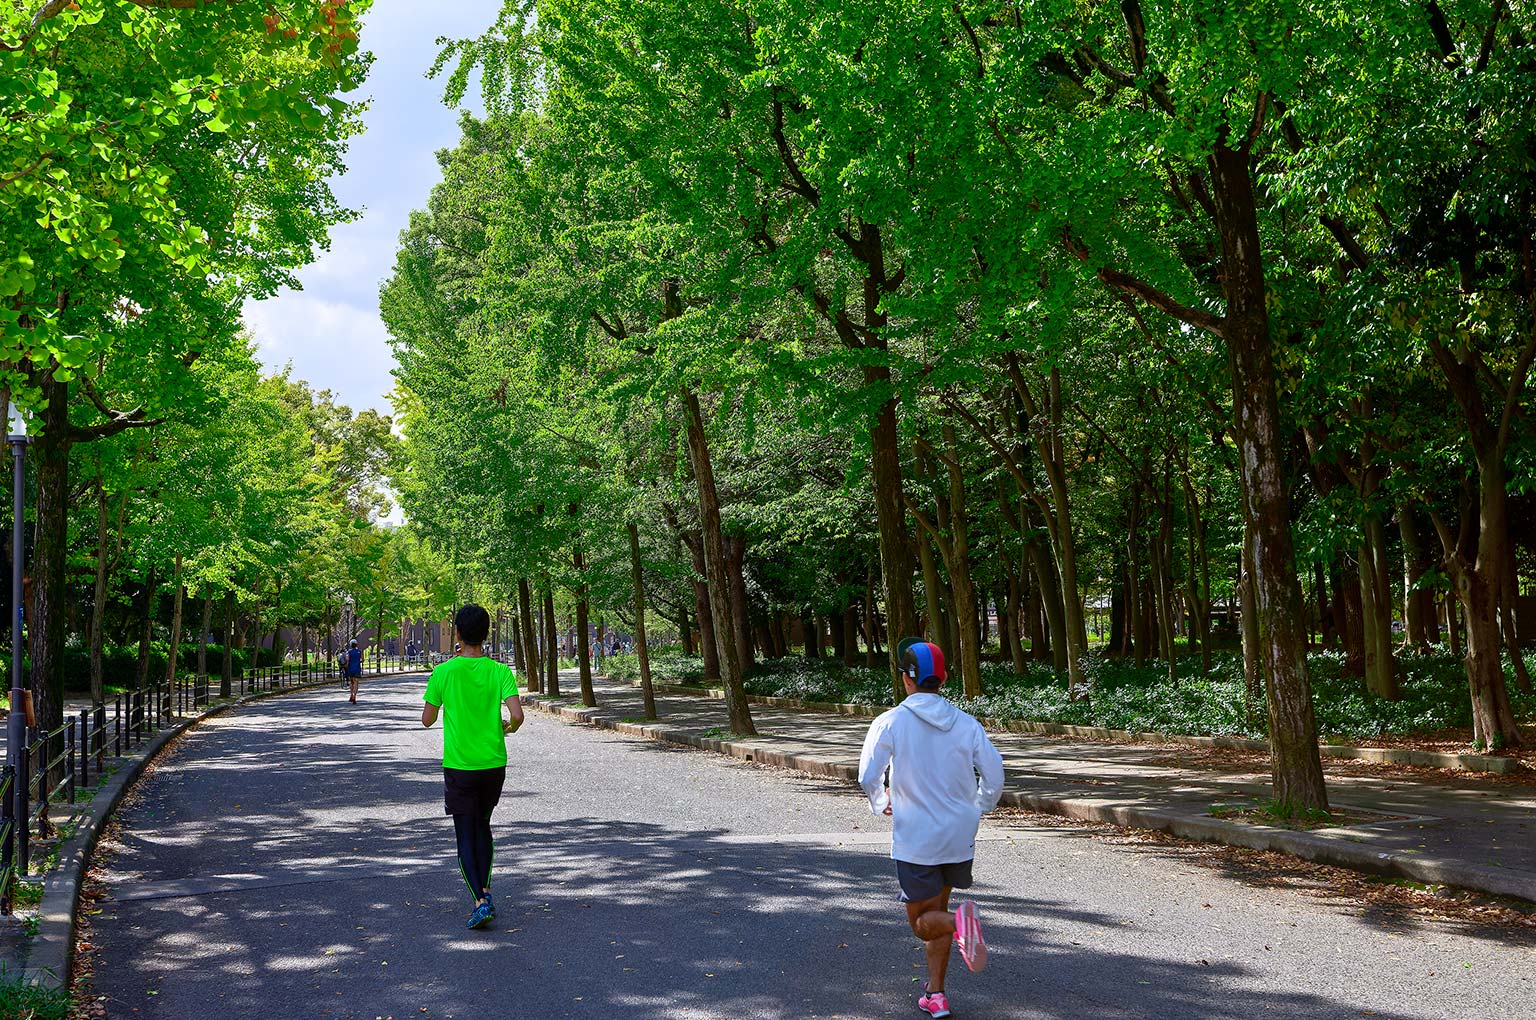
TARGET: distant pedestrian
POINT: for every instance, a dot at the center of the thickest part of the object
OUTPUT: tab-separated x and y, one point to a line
469	689
934	753
352	661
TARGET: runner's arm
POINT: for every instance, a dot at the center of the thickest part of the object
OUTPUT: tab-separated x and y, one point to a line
872	763
515	709
989	766
428	714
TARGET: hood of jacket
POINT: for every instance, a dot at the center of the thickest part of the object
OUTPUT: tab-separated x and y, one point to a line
932	709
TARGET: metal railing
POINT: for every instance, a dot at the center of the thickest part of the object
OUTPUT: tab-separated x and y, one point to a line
57	764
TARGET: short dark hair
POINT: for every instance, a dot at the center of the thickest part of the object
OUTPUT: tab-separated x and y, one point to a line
473	623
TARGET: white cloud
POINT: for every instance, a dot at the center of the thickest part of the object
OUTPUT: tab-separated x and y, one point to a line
332	344
330	330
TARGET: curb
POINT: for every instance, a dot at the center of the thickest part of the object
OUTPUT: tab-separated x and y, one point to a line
49	954
1336	847
1382	755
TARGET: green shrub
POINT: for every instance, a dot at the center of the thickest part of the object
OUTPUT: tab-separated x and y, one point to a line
1123	696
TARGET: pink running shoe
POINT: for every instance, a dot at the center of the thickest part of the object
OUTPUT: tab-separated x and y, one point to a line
973	948
933	1003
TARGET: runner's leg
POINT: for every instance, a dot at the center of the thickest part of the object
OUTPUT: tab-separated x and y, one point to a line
932	922
466	831
485	848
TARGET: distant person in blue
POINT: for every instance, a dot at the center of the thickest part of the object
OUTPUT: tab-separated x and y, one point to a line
354	667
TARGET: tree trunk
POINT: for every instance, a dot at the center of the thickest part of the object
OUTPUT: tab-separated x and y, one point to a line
583	638
1137	630
1013	612
810	631
737	708
937	630
533	676
202	634
1296	761
1376	611
1509	591
959	563
146	631
1419	624
227	668
838	634
1050	596
99	604
48	623
642	652
890	515
703	610
177	600
551	641
735	547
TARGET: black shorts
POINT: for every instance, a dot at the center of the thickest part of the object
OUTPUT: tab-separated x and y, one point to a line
921	882
472	791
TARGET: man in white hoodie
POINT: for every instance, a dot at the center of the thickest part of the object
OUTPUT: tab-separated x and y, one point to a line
944	775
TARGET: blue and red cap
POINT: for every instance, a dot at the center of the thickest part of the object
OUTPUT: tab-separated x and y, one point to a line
923	663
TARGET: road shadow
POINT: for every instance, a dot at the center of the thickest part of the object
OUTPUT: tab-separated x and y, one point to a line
350	905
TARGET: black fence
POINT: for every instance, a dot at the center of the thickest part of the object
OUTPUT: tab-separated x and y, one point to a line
57	764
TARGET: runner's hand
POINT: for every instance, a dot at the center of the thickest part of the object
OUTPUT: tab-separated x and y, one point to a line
887	810
510	726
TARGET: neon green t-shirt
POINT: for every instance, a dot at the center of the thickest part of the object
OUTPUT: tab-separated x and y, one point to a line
470	692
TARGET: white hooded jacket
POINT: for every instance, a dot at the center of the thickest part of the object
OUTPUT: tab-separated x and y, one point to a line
935	752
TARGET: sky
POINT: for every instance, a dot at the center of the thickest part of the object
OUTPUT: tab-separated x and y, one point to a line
330	329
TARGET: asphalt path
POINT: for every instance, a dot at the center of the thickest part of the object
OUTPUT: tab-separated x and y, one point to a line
291	859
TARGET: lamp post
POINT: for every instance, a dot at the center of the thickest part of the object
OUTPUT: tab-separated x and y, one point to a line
16	723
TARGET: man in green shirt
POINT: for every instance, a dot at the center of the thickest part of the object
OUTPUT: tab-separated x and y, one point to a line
469	690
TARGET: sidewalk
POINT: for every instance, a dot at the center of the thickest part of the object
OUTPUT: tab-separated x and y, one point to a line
1469	833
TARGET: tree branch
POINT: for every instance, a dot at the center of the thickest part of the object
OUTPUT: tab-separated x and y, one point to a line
1151	295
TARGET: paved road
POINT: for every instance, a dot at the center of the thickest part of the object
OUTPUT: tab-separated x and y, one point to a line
292	860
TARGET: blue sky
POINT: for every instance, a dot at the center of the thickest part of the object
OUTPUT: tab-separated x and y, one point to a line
330	330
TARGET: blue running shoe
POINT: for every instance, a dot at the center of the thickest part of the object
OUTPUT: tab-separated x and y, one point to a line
491	904
481	917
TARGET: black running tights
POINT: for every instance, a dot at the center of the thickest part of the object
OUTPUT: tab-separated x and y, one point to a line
476	849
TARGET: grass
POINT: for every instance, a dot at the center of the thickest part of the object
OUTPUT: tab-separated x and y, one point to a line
29	1002
721	733
1124	696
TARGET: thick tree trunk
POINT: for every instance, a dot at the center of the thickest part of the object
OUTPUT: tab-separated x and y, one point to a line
48	623
99	603
642	650
717	571
1296	761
